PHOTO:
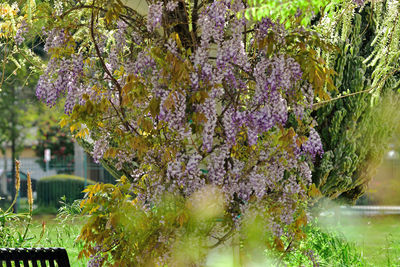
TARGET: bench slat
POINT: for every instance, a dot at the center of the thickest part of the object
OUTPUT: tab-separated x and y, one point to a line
34	255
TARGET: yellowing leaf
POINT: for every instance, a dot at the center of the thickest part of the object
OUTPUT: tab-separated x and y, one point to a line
63	122
279	244
177	40
313	191
182	219
94	209
74	127
301	220
154	106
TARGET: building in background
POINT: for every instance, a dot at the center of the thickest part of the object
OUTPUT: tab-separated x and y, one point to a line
81	164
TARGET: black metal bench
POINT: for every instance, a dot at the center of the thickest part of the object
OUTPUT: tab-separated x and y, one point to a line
27	257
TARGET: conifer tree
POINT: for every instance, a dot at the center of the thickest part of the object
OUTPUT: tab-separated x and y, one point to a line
357	123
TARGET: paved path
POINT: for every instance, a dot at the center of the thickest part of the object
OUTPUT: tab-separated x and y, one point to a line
369	210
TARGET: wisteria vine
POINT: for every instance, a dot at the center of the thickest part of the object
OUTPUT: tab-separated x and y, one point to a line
176	110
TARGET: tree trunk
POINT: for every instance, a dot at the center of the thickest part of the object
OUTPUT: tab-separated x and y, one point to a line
3	177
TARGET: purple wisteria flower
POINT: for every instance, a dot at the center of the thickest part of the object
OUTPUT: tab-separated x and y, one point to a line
23	28
154	17
313	145
55	38
96	260
217	111
99	148
171	5
359	2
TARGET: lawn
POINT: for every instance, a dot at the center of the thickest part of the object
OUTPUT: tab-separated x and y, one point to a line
377	238
57	234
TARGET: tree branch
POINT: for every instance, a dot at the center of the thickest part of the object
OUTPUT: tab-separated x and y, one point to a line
223	239
316	105
114	81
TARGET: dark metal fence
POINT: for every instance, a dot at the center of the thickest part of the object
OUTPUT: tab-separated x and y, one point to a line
86	168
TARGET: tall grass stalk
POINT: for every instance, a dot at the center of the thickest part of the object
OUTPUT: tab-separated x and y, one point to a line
30	202
11	235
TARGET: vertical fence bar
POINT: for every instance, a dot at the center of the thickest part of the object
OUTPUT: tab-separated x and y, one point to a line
85	169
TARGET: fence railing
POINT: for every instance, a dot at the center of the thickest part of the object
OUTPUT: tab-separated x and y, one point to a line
87	169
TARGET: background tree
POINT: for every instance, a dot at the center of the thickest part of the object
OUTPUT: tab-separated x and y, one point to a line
17	97
19	52
357	124
58	140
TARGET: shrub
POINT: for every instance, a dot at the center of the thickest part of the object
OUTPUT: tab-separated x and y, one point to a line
50	189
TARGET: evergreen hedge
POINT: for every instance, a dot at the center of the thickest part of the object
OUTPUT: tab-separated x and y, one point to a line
50	189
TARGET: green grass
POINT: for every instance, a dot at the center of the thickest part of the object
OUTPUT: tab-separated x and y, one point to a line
377	238
57	234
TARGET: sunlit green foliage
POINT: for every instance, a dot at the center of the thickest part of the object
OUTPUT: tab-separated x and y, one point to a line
130	234
288	11
325	247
